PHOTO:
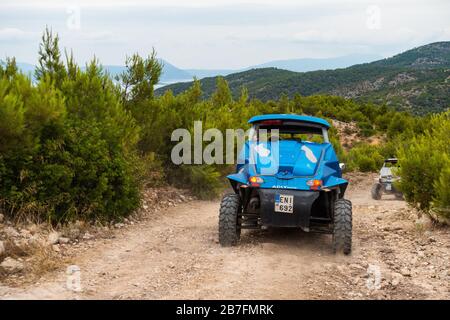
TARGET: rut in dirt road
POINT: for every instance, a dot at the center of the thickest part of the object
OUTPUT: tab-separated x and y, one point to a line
175	254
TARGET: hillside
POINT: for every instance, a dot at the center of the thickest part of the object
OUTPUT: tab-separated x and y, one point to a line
417	80
313	64
298	65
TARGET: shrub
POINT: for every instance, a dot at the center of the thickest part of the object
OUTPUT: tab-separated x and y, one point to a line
366	164
424	167
442	197
202	180
366	129
400	123
67	146
365	158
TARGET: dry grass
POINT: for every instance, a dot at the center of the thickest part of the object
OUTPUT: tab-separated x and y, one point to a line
36	255
43	259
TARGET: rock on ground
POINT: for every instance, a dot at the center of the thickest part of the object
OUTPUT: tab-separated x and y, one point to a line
11	265
53	237
2	248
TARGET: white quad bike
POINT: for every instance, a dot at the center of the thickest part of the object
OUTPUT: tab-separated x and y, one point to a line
386	180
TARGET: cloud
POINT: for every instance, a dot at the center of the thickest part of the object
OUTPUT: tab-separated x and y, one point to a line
191	3
154	3
14	34
94	36
223	33
361	37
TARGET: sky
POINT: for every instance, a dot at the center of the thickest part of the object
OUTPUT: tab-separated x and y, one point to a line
222	34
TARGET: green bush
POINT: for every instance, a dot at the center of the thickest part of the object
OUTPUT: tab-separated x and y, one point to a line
202	180
442	197
67	146
366	164
364	157
366	129
424	170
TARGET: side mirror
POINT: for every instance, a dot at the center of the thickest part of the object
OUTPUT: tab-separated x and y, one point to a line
342	165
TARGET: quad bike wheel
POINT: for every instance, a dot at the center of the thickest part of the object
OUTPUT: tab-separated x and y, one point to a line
342	229
376	191
399	196
229	220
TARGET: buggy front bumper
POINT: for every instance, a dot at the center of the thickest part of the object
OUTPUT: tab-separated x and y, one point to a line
389	187
300	218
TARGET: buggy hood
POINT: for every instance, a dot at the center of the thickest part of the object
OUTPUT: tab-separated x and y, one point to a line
286	158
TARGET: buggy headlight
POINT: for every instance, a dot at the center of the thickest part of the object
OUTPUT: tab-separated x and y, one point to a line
255	181
314	184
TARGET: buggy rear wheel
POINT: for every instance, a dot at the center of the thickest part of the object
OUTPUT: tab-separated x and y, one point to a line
229	220
342	228
376	191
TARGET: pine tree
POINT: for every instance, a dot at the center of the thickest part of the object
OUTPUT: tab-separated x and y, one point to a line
10	68
222	96
50	64
139	78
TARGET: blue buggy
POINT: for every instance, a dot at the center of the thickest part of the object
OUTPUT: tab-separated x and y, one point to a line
287	175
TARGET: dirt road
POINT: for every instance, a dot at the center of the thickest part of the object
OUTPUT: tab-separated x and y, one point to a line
175	254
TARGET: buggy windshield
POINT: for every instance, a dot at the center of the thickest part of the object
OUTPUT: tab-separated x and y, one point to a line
288	130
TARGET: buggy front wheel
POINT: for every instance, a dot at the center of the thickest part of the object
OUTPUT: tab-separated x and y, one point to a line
229	220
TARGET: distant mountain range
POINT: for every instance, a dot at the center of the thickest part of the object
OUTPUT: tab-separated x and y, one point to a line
417	80
298	65
173	74
311	64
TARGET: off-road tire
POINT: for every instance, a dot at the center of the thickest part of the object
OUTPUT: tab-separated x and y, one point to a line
399	196
376	191
229	220
342	228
